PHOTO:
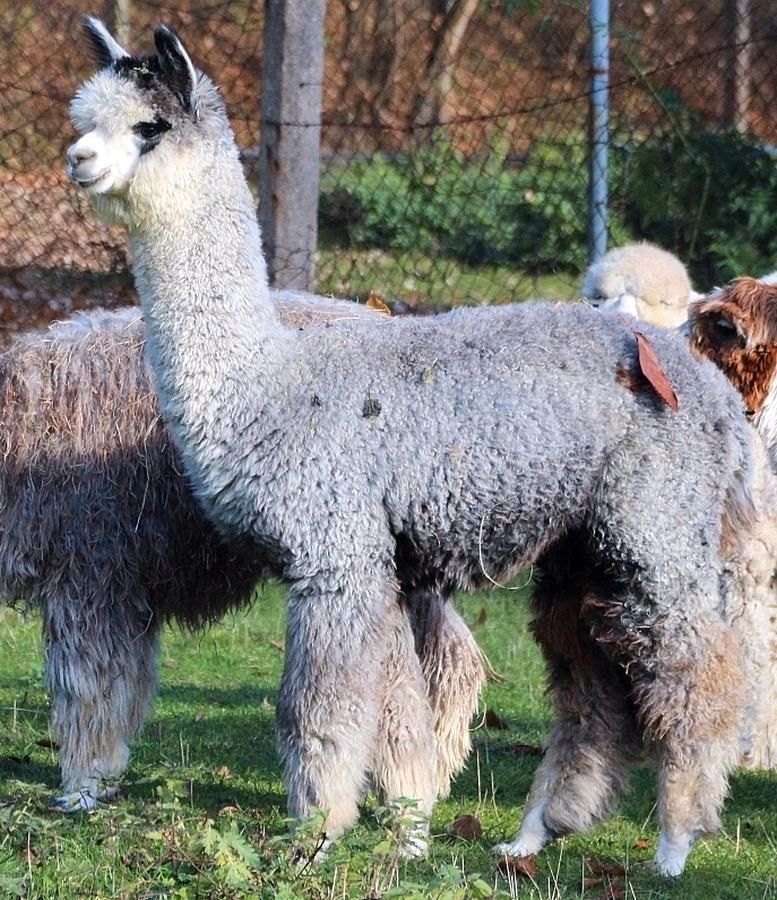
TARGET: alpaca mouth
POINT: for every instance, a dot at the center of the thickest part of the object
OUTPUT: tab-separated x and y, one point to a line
89	182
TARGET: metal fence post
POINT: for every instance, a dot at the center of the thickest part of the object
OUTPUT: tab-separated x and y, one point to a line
289	149
599	18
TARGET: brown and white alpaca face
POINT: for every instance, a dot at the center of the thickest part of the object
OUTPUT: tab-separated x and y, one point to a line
736	327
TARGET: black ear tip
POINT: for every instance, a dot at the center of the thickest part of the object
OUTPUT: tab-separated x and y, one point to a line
165	37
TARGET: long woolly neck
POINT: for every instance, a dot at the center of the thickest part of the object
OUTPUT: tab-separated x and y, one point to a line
213	339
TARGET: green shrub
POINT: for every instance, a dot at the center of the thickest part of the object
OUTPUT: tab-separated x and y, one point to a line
710	197
484	211
707	196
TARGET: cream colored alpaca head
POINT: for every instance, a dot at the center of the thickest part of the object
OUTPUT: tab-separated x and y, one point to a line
643	281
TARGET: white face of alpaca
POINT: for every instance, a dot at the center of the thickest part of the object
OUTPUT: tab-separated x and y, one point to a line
625	304
133	112
105	159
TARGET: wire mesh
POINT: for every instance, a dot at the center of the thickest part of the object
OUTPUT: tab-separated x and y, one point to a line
454	142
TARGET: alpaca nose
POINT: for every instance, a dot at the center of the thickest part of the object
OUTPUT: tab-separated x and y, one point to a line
79	154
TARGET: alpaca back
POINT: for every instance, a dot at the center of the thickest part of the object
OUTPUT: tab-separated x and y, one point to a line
92	502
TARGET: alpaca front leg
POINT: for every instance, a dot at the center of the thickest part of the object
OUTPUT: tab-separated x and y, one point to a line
330	696
101	680
406	749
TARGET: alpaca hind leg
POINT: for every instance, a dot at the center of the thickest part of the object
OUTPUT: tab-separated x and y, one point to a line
101	674
455	673
595	739
406	748
585	767
691	710
331	692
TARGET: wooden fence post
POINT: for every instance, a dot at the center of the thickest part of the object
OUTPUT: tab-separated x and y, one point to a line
289	148
120	21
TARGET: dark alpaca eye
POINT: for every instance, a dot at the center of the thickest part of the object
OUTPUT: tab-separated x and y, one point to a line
151	131
723	330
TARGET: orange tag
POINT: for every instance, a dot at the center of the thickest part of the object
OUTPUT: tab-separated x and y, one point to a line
652	370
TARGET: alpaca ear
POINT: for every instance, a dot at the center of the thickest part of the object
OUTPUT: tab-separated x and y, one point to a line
105	49
176	66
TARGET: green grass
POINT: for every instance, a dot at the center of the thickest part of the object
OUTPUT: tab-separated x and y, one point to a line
202	813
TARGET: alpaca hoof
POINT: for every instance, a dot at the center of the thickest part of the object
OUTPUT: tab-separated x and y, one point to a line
513	850
671	856
76	801
531	838
88	798
303	859
414	846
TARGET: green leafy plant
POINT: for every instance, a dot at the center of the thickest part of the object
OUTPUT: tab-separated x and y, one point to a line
531	212
709	196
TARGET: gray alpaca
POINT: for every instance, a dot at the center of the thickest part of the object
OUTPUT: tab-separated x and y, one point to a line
99	531
374	459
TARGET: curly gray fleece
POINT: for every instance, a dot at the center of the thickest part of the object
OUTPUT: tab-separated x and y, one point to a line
373	459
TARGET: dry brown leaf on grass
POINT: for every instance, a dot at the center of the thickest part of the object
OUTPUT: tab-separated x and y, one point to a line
482	617
223	773
467	827
524	866
279	645
653	371
643	844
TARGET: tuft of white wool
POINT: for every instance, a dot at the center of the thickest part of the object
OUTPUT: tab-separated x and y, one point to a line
641	280
425	453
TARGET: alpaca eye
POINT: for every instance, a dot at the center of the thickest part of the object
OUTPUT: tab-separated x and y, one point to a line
724	330
149	131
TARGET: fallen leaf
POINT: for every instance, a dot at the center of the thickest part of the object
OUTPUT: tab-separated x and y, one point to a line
652	369
519	749
47	743
592	882
199	716
643	844
170	664
279	645
467	827
223	772
518	865
495	721
228	810
482	617
376	302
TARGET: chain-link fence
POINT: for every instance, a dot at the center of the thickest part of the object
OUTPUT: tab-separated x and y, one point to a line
454	142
